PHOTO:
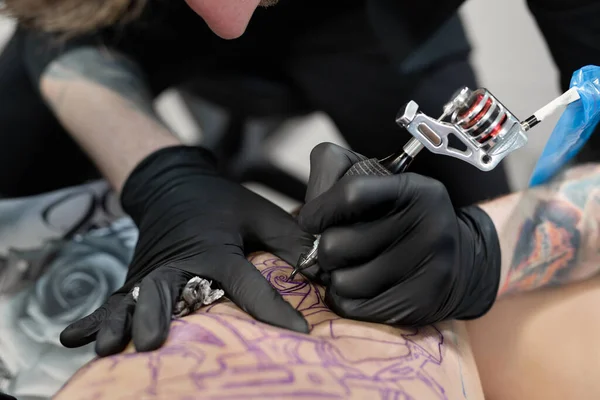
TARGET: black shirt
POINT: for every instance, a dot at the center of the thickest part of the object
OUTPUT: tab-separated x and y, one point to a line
414	33
169	29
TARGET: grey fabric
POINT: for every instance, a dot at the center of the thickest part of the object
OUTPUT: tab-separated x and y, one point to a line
61	255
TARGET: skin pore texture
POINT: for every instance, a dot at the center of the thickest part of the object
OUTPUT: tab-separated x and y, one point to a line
222	353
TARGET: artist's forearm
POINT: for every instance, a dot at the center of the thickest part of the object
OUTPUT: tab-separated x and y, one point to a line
549	236
102	101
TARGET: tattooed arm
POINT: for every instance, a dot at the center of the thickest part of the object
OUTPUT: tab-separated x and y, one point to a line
549	236
102	100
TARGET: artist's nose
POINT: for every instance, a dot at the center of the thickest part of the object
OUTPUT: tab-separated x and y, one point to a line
227	18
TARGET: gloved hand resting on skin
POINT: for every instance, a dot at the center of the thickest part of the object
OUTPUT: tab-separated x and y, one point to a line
393	249
192	222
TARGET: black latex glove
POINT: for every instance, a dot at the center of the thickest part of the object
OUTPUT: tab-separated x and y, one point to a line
191	222
396	249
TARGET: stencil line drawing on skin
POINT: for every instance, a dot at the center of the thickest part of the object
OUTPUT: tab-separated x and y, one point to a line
223	353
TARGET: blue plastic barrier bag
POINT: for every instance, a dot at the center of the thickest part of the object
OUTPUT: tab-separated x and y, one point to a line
574	127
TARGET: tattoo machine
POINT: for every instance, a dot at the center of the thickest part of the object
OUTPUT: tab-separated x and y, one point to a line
486	128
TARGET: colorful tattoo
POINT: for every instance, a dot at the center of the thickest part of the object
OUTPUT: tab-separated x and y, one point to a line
546	248
553	245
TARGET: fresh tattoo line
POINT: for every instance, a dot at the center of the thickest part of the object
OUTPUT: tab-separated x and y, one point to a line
560	242
224	353
106	68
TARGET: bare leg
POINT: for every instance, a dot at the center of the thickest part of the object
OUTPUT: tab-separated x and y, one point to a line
224	353
541	345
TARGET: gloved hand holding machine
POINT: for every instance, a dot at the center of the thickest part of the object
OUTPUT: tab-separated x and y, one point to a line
489	131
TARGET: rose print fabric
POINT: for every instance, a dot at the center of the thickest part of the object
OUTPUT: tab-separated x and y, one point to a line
61	255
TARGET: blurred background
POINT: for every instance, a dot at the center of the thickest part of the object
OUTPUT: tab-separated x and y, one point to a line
510	59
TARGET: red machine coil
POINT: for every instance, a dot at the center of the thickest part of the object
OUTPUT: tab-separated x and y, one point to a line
483	117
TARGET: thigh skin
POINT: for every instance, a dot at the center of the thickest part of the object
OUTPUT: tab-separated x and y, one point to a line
541	345
221	352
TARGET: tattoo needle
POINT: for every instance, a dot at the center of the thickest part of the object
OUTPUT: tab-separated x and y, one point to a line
400	161
393	164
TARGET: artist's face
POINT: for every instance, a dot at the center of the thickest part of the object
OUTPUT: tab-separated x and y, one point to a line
227	18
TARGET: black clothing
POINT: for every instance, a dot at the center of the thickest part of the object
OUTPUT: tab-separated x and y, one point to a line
32	142
326	49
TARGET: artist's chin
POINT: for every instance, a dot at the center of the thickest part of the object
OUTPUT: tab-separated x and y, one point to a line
228	19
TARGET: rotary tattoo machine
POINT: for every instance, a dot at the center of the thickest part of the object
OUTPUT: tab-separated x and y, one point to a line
487	130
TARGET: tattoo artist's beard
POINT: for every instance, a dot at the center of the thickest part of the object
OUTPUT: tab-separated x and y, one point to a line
267	3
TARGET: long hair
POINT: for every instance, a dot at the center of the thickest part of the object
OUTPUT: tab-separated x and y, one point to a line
72	17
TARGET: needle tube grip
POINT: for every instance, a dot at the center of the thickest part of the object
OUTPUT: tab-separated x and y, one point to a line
370	166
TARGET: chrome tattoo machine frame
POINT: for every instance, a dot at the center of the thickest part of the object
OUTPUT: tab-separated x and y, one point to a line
486	128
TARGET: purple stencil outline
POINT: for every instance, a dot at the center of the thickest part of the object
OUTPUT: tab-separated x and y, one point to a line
293	352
